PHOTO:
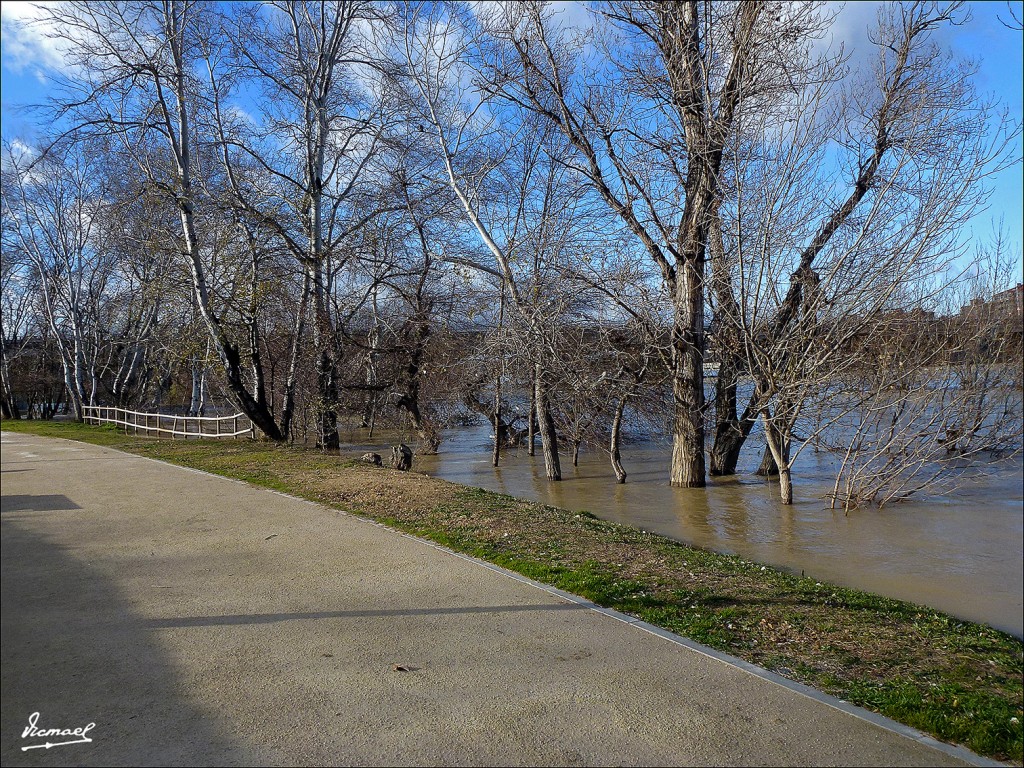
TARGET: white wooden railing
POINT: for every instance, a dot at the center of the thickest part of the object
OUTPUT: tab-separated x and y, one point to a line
160	424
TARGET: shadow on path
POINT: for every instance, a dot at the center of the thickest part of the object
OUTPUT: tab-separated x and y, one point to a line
272	618
73	650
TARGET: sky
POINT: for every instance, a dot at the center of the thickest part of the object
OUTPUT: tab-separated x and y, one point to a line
27	58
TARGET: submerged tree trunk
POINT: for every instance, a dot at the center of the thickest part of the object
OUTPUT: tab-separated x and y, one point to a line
786	485
769	464
531	426
725	451
778	446
613	448
688	469
496	422
548	435
730	430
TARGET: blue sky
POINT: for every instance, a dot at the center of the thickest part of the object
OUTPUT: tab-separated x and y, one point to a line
27	56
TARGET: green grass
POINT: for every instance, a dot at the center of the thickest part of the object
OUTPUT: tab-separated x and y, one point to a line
959	681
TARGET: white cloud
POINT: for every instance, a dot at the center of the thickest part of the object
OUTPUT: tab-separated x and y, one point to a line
21	149
572	15
27	42
850	29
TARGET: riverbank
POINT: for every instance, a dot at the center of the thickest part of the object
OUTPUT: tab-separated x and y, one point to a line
961	553
961	682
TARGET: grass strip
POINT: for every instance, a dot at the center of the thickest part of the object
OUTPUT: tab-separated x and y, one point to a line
959	681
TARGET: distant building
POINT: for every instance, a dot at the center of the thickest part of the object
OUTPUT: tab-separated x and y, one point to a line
1008	304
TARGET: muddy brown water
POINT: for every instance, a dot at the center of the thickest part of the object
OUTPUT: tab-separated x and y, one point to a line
962	553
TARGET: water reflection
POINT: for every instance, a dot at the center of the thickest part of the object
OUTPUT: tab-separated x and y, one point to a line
963	555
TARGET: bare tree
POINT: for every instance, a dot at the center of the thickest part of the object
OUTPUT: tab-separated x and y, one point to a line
57	203
134	77
802	277
16	300
317	133
650	120
940	390
511	183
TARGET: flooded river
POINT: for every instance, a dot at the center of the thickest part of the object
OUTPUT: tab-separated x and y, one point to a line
963	554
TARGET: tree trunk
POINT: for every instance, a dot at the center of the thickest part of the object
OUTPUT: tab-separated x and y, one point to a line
688	470
531	427
74	396
786	486
779	446
179	134
769	465
325	418
8	400
729	438
373	415
201	410
548	435
401	457
730	430
496	421
410	398
288	406
79	371
620	473
193	403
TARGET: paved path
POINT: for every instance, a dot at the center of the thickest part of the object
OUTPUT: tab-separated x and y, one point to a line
198	620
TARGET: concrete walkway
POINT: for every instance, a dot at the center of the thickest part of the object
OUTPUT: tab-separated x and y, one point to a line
198	620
